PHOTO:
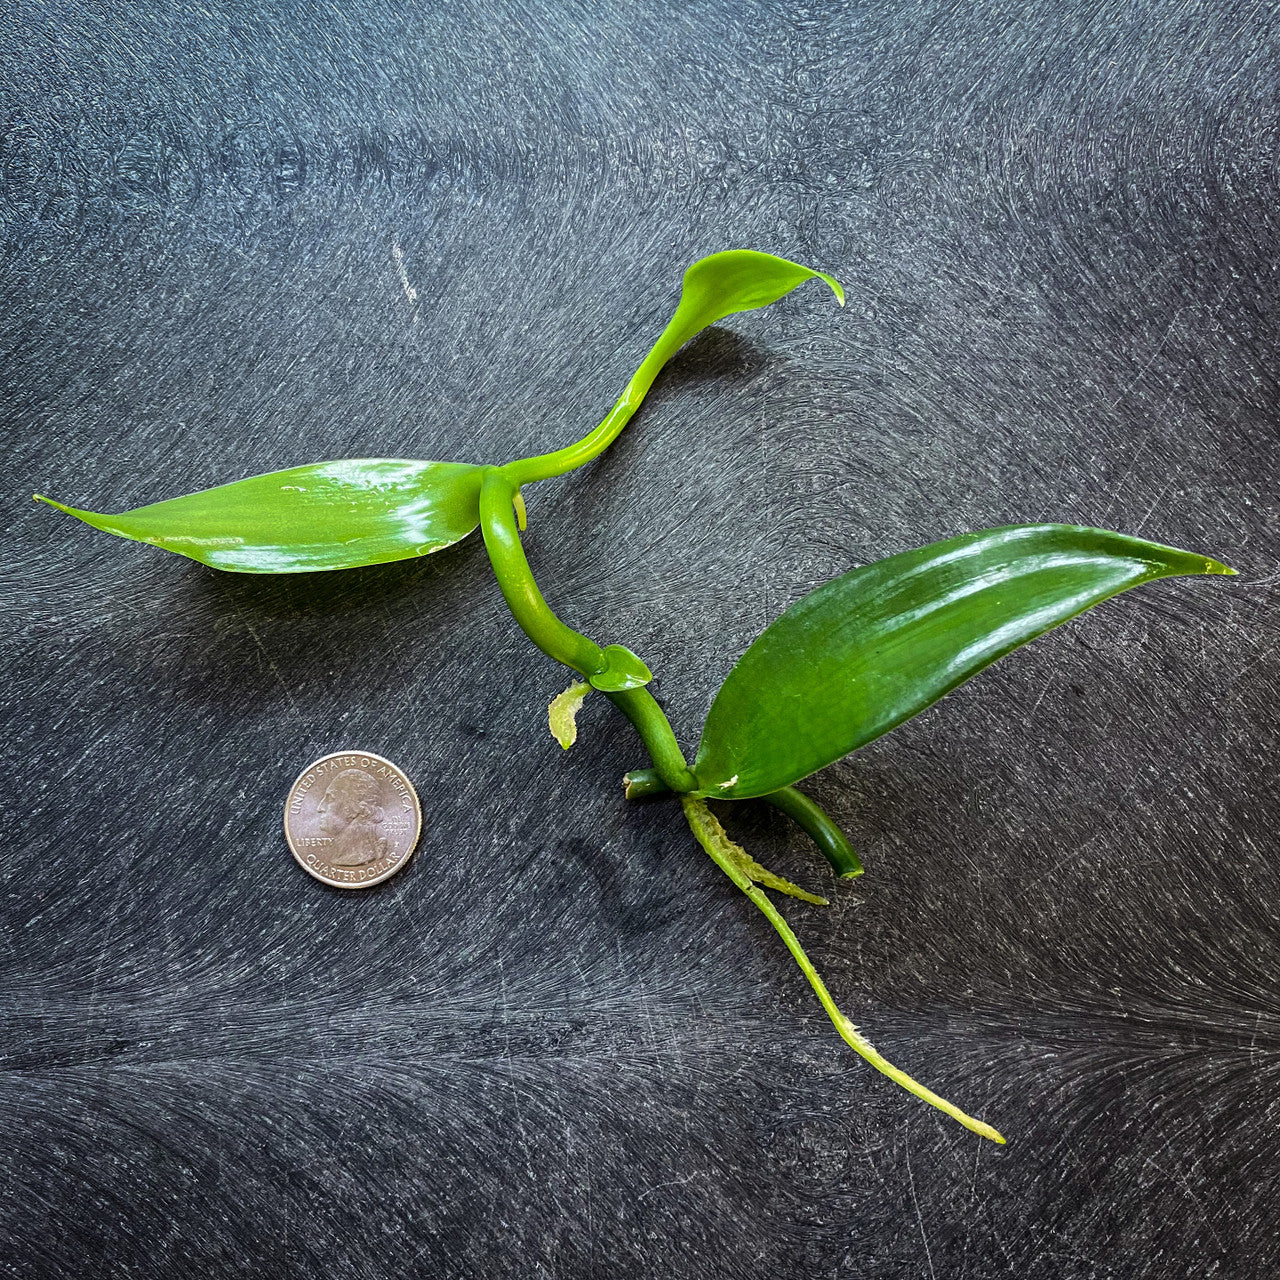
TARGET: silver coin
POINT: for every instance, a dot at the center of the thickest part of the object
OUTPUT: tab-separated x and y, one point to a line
352	819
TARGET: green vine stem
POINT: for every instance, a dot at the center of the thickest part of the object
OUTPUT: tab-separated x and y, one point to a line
502	541
706	829
651	723
810	816
546	465
806	813
540	624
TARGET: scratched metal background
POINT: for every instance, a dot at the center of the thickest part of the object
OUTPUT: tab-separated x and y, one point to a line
560	1045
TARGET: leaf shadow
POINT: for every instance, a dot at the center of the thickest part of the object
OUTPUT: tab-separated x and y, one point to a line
379	626
341	593
718	353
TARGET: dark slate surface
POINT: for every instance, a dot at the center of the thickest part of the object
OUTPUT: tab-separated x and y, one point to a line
560	1045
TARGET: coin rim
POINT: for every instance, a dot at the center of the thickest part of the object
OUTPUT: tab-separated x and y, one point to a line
386	875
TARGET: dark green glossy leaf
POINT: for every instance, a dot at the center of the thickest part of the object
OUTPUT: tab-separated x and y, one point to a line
330	515
860	655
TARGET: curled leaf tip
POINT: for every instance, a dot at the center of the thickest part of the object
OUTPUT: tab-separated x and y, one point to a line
713	288
562	714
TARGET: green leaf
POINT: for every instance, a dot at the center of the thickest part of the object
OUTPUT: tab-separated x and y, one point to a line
623	670
860	655
330	515
714	287
725	283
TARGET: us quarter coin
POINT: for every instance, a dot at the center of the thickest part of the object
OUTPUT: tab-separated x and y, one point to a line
352	819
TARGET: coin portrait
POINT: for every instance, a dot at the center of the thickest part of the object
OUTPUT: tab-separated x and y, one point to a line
352	819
